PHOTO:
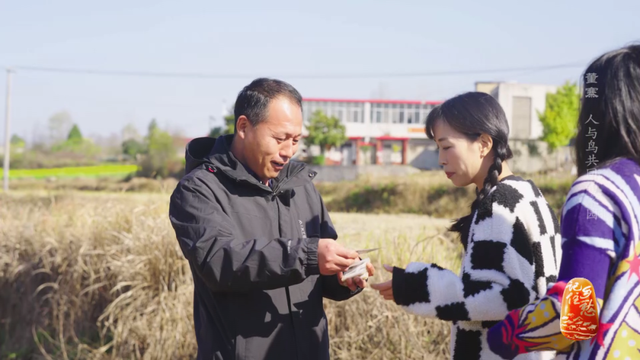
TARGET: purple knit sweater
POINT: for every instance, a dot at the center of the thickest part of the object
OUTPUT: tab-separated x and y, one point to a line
601	242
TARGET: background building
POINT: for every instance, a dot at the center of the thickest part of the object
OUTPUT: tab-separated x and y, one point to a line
379	131
521	104
392	131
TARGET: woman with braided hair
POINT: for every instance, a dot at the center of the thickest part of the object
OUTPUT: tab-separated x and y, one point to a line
600	229
510	237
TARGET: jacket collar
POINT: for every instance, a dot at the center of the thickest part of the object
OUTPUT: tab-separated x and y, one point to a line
218	153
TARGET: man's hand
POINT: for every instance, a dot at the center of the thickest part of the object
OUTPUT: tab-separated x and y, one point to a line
385	288
334	258
357	282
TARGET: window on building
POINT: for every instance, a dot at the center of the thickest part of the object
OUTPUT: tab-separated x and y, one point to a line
306	114
426	109
395	112
328	109
325	108
407	113
404	112
380	113
307	111
354	112
384	112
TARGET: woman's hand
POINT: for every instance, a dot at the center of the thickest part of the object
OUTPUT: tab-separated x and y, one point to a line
385	288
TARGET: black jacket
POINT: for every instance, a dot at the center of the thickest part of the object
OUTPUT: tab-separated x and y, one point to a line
253	256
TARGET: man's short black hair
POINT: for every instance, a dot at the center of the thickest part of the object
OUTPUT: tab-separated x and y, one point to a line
253	101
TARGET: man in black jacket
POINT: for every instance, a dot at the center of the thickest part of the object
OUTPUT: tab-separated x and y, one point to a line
258	238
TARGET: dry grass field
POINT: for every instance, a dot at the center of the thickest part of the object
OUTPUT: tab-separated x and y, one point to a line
101	276
427	193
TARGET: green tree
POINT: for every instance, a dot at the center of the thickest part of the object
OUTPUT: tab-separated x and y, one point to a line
59	125
17	151
74	134
160	159
560	117
230	121
130	132
153	126
133	147
227	128
217	132
17	141
83	147
325	131
160	143
76	144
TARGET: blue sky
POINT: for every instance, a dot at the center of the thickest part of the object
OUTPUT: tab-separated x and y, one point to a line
282	39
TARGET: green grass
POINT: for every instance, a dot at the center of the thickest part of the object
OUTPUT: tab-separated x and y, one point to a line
73	172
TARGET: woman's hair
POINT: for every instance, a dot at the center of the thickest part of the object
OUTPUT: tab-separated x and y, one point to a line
473	114
609	121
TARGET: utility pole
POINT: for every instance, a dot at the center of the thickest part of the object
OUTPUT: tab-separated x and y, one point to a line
7	128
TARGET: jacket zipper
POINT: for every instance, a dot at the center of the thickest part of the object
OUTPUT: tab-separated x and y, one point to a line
275	192
286	289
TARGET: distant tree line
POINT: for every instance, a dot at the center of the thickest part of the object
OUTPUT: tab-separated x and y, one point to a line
160	153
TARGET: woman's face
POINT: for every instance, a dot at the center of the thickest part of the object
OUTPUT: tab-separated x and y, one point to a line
460	157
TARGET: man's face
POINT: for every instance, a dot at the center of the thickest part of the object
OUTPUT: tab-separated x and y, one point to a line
271	144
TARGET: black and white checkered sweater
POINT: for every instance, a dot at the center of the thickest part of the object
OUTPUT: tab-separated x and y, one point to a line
512	254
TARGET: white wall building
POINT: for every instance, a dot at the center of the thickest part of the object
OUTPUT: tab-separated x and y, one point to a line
392	131
379	131
521	104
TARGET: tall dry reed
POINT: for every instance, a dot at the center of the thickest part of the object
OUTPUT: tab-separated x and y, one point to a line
100	276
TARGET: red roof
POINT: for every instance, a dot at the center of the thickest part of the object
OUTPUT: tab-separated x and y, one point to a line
391	138
379	101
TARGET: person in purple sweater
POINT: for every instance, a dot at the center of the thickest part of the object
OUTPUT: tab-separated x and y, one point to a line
600	225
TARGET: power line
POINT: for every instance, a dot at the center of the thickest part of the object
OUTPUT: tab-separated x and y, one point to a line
187	75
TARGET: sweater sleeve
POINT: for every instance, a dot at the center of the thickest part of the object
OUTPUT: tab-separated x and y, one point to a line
497	277
589	235
536	327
